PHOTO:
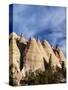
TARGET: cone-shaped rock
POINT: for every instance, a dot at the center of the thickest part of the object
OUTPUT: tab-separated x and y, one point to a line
43	53
48	50
33	59
14	52
14	59
61	55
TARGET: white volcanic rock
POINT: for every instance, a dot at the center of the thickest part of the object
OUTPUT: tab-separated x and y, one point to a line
61	55
33	59
48	50
42	51
31	54
14	59
14	52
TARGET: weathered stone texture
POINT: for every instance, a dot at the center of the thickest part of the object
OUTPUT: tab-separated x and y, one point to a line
26	55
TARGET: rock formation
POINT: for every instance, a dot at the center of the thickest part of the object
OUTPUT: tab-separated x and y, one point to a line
32	54
48	50
14	59
32	57
43	53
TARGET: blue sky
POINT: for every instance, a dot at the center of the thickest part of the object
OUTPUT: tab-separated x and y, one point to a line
44	22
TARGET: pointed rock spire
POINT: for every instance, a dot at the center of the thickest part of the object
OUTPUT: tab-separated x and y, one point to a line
14	60
14	53
32	56
43	53
49	51
61	55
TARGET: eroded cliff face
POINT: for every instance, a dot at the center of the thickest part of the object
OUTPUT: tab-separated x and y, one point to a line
31	55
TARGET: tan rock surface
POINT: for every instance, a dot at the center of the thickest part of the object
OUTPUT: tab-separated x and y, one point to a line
42	51
14	58
32	53
22	39
49	51
14	53
32	56
61	55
